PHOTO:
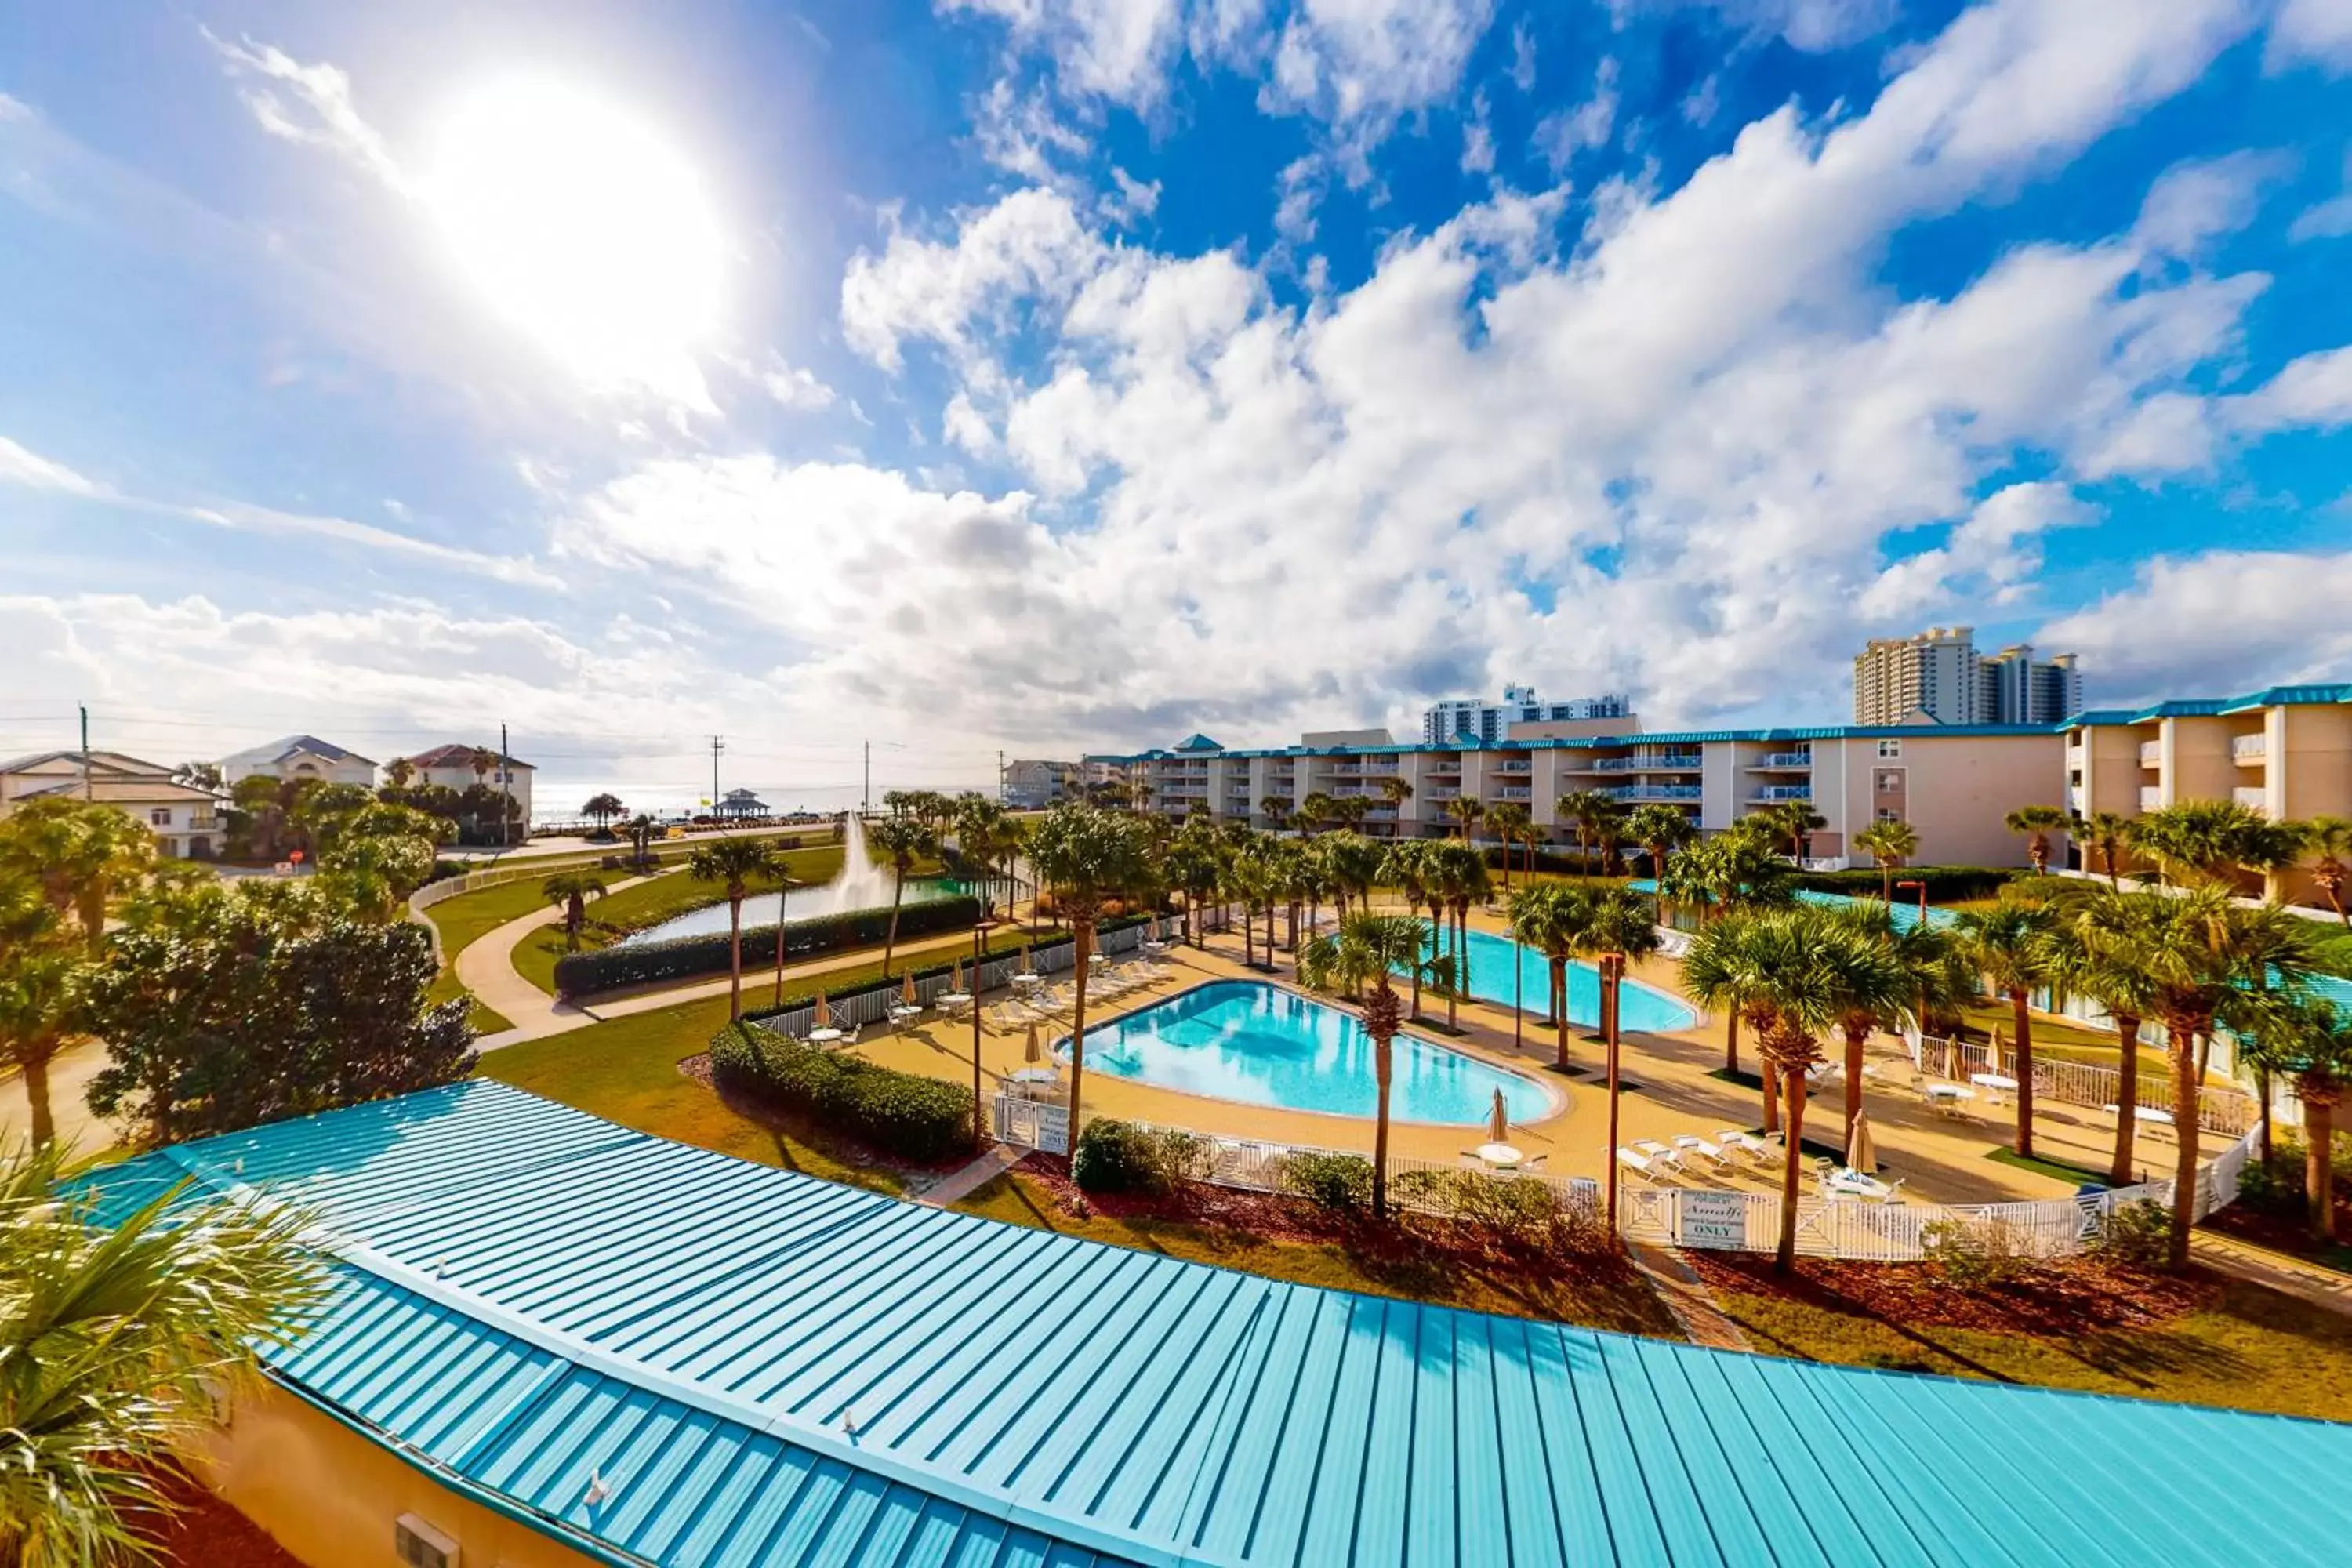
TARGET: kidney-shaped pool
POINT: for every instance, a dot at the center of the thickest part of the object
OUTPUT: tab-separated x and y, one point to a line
1259	1044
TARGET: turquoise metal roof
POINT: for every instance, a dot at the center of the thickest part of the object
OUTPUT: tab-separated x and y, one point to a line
2302	696
1468	742
764	1369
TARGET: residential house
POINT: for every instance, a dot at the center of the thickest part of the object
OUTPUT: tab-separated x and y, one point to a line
298	757
452	766
185	820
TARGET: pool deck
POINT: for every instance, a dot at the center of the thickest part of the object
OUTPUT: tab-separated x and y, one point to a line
1941	1160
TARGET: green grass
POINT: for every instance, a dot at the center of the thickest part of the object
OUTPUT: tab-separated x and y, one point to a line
1627	1304
625	1070
2253	1349
2056	1170
486	1019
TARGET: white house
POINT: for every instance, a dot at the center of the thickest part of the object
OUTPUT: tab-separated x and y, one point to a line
452	767
300	757
185	820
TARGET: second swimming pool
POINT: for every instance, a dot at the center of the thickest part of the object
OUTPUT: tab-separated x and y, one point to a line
1638	1006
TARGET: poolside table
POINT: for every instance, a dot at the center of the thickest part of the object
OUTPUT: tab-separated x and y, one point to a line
1998	1083
947	999
827	1037
1497	1156
1027	979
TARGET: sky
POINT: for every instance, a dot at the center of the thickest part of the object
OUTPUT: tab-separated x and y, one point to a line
1064	375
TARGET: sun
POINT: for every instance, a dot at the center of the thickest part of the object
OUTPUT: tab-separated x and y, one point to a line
579	224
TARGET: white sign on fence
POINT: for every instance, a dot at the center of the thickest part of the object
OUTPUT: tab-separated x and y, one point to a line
1714	1219
1033	1124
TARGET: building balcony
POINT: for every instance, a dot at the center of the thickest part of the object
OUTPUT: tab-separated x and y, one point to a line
1515	765
1670	762
1781	761
1784	791
2151	797
1646	791
2250	751
2075	759
2254	797
2074	800
1616	764
1440	791
2151	753
1514	792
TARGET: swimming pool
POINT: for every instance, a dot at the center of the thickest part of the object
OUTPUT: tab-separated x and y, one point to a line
1638	1006
1247	1041
759	910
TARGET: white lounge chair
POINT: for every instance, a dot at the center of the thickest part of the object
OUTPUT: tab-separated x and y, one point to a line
1643	1165
1693	1143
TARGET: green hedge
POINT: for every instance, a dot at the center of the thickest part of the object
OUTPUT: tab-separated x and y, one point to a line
685	957
1116	1156
1007	943
914	1118
1946	884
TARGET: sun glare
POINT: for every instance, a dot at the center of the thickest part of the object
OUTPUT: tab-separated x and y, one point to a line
583	229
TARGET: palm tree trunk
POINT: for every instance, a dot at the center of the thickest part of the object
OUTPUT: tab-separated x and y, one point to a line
1854	1039
2024	1022
1082	930
1769	1075
1416	965
1453	940
735	959
2185	1129
1784	1257
1381	1065
2319	1173
1885	884
1560	1010
2263	1098
1731	1041
890	943
2127	1100
36	1096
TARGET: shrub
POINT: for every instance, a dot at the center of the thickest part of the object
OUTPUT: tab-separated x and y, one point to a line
684	957
918	1118
1970	1253
1003	947
1946	884
2137	1235
2275	1188
1116	1156
1339	1183
1509	1210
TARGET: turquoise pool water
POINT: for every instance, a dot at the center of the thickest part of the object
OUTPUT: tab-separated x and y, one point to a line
1639	1006
761	910
1260	1045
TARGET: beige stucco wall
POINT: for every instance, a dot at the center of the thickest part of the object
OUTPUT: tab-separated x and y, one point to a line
1956	790
2198	765
329	1496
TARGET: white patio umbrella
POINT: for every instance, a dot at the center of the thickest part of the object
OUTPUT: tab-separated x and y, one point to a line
1860	1149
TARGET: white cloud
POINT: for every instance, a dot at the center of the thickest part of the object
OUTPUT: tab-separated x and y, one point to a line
1810	24
1029	244
1989	557
795	386
2313	391
20	466
1357	65
2205	198
1136	198
2330	219
310	103
1523	55
1119	48
1020	133
2318	30
1302	189
1477	139
1560	135
2217	622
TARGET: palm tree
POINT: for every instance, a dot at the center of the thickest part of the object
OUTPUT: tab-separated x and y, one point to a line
1660	830
1793	821
1719	972
2306	1039
902	841
1934	973
1510	821
2104	833
737	863
1588	808
1459	879
2009	945
2210	841
1086	856
1396	792
1464	809
81	854
603	807
1317	810
398	771
1889	842
2328	840
117	1339
41	971
1410	870
570	891
1194	861
1275	808
2092	951
1354	864
1370	948
641	838
1349	810
2206	958
2037	823
1564	922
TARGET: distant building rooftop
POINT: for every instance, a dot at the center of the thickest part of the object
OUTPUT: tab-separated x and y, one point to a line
763	1368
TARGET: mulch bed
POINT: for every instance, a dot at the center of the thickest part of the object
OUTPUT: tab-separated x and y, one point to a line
2288	1233
847	1150
2049	1302
208	1533
1413	1241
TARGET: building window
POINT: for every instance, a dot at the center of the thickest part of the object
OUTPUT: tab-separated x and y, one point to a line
1888	813
161	817
1890	747
1890	782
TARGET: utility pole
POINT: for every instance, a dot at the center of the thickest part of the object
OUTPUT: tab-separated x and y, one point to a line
866	794
85	750
1000	778
717	744
505	789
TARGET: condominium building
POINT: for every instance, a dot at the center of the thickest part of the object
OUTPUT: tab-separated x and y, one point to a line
1449	721
1031	785
1955	784
2285	752
1939	677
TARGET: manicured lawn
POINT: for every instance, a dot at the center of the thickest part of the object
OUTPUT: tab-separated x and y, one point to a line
1379	1266
2247	1348
486	1019
627	1071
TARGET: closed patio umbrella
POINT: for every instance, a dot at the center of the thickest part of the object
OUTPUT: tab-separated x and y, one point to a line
1498	1124
955	980
1032	1052
906	990
821	1016
1860	1149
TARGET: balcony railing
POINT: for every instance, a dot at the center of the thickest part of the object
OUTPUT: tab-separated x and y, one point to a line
2254	797
2151	797
1783	759
2253	749
1515	765
2151	753
1616	764
1514	792
1785	792
1440	791
1671	761
1637	791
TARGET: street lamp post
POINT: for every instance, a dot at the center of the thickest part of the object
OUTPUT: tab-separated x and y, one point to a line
979	946
1923	897
1612	970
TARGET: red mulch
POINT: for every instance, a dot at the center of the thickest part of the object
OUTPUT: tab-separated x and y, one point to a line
208	1533
2049	1302
1409	1240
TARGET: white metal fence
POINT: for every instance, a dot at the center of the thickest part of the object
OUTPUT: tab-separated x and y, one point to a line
2228	1111
872	1006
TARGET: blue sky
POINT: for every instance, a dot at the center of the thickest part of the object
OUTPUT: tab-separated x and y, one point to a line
1060	375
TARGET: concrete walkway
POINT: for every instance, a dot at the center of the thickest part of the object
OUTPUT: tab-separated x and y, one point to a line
2306	1282
959	1184
1686	1297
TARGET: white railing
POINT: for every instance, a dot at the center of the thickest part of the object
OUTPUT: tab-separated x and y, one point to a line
873	1006
2151	753
2249	748
2225	1110
1896	1233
